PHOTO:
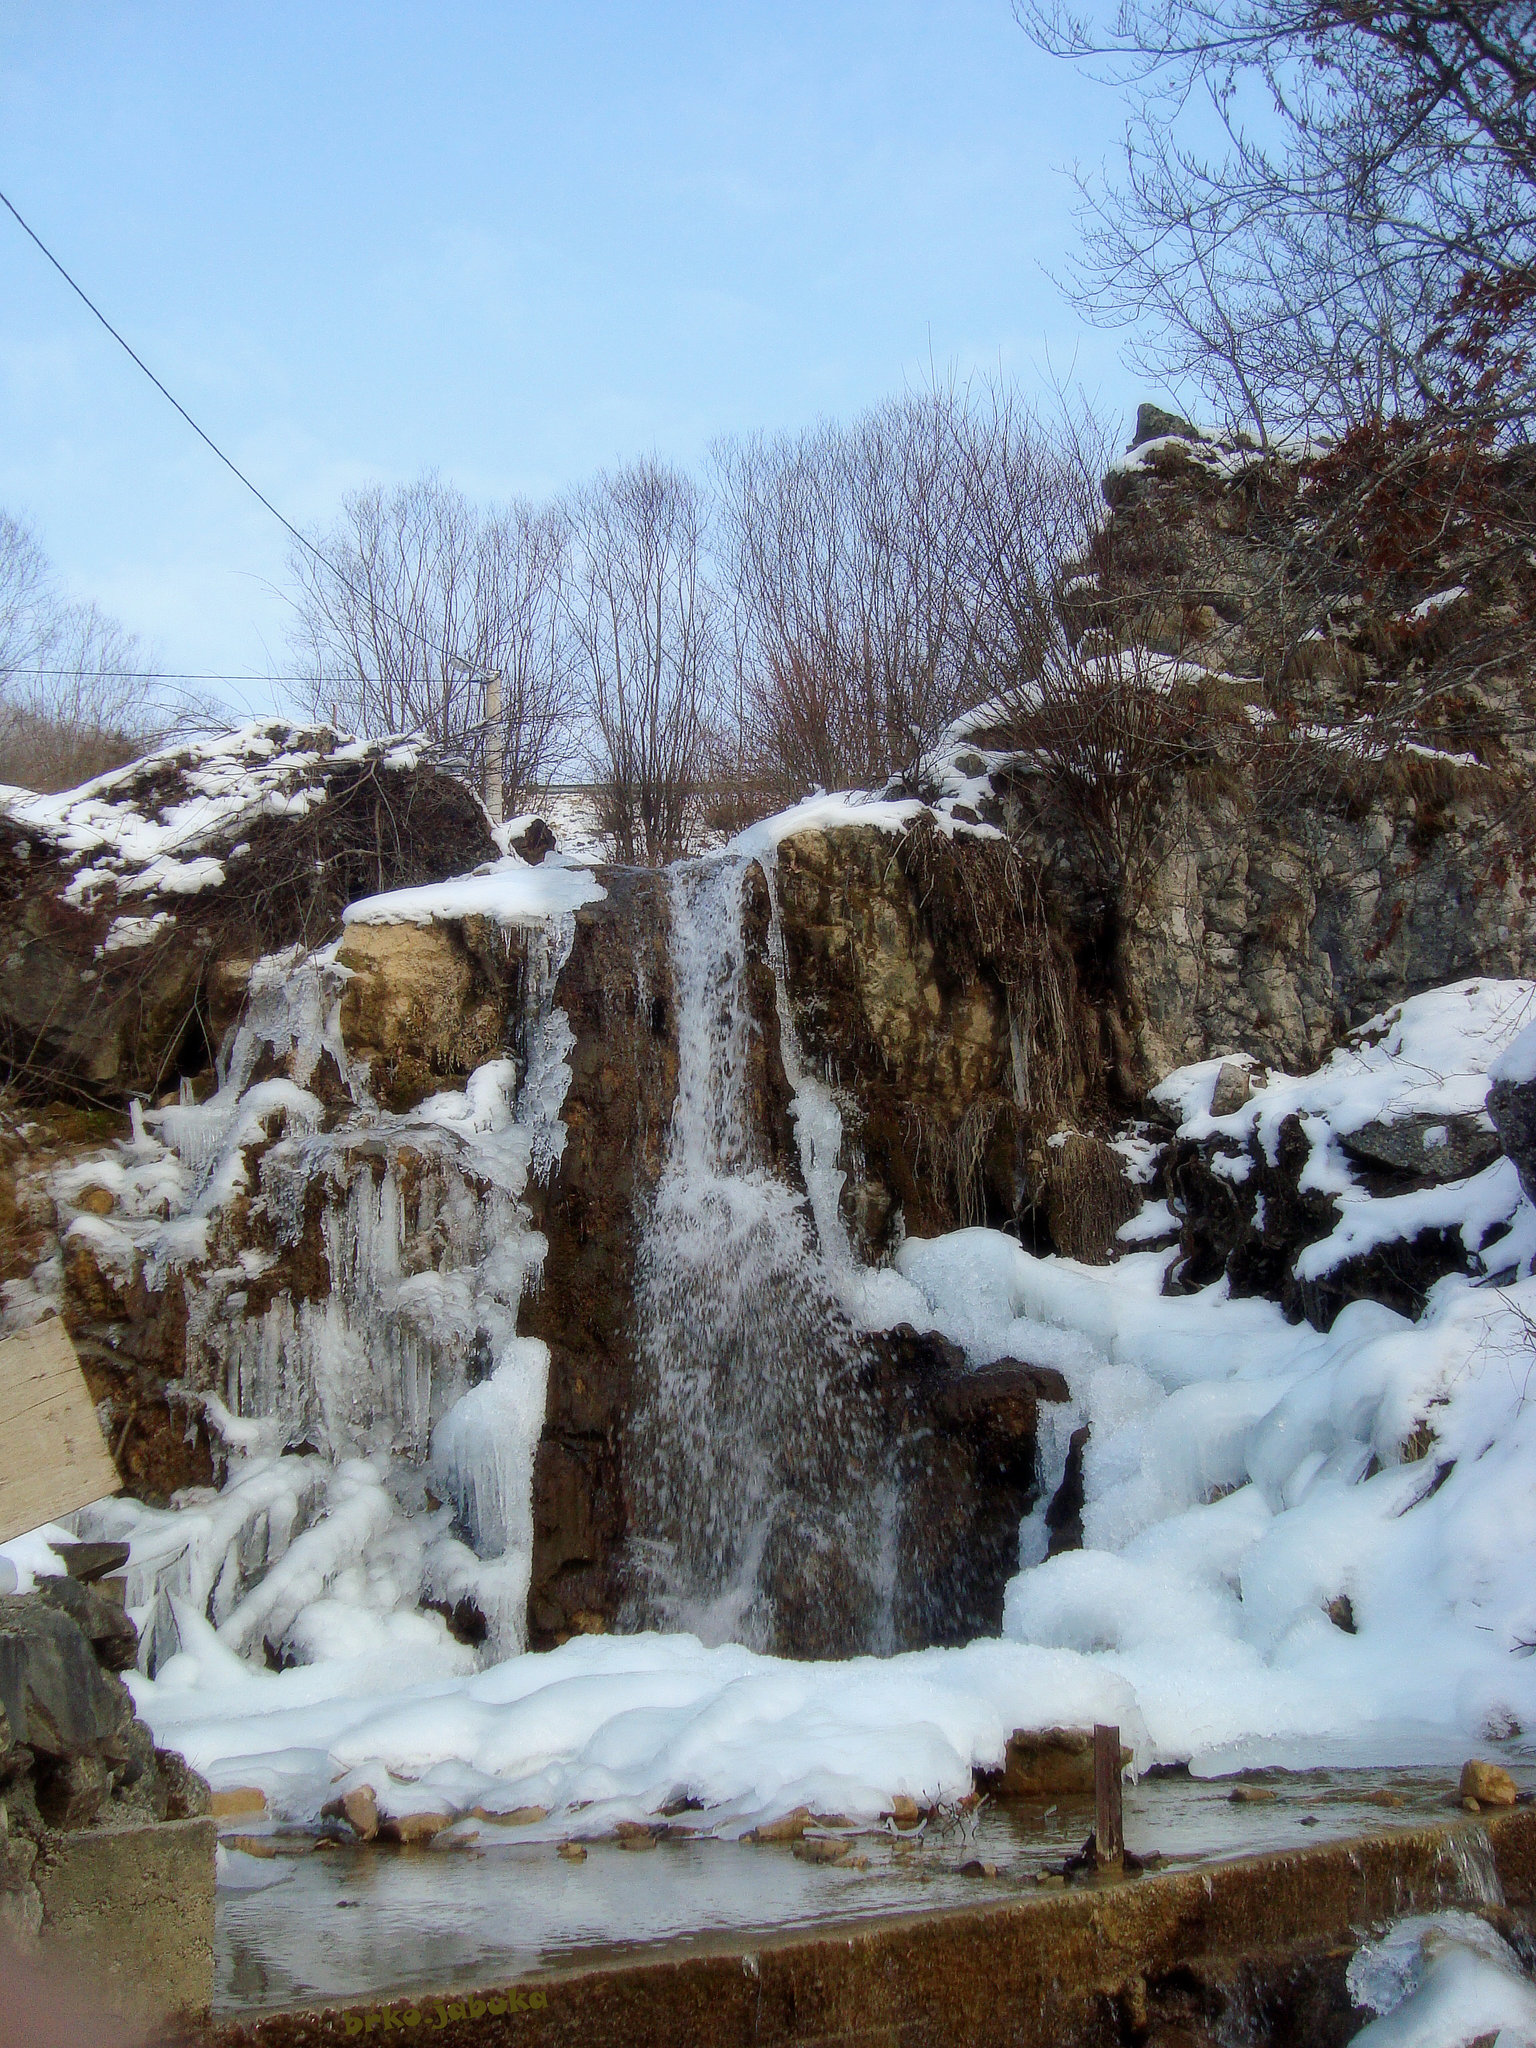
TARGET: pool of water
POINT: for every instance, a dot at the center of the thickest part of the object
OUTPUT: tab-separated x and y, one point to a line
353	1922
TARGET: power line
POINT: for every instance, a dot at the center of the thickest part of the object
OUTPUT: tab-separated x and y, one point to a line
233	468
370	604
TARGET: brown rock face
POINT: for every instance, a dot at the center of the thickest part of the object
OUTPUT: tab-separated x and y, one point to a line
616	991
425	1004
949	1018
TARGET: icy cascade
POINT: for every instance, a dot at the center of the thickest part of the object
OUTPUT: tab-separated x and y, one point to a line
341	1397
761	1503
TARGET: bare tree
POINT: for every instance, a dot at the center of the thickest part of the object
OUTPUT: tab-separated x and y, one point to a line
75	696
644	622
891	575
1369	201
414	598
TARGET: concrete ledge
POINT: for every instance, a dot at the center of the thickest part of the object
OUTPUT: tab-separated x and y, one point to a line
1077	1969
131	1911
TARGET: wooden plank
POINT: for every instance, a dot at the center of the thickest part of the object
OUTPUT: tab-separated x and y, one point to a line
1108	1821
52	1458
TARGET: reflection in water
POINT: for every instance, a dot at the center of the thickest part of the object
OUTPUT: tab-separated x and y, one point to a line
358	1921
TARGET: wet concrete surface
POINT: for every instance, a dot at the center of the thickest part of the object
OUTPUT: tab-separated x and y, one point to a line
361	1924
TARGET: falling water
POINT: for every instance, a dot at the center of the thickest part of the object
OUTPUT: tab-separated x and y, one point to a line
761	1510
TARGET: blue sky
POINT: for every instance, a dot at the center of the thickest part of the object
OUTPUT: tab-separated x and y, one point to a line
511	242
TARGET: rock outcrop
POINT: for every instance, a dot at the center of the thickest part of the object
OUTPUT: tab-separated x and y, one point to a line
130	910
72	1753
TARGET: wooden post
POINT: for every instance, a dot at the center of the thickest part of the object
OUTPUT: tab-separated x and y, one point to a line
52	1458
1108	1824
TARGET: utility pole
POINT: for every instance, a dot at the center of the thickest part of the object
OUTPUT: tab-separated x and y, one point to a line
493	743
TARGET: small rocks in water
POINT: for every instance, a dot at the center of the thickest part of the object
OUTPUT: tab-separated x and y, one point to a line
788	1827
976	1868
514	1817
572	1852
634	1834
904	1811
359	1808
1252	1795
252	1845
409	1829
1489	1784
822	1849
1384	1796
1050	1880
1470	1806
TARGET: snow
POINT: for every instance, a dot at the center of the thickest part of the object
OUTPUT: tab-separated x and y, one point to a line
509	893
1442	1980
145	829
1242	1473
613	1728
830	812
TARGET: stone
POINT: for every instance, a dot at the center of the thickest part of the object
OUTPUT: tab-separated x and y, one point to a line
55	1696
238	1802
359	1808
411	1829
1234	1085
516	1817
1155	423
634	1835
534	841
1252	1795
789	1827
822	1849
1341	1612
1489	1784
1045	1762
572	1852
128	1911
423	1005
100	1618
181	1792
1436	1148
91	1561
904	1811
1512	1108
975	1867
96	1201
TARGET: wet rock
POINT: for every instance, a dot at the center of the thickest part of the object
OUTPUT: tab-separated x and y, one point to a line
789	1827
975	1867
424	1005
1489	1784
822	1849
359	1808
410	1830
88	1562
572	1852
1044	1762
182	1793
73	1792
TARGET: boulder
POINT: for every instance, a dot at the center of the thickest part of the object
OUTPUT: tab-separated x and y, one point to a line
56	1698
1489	1784
1512	1109
1433	1148
130	911
1046	1762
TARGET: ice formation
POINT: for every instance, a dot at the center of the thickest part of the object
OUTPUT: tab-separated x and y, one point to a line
379	1428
